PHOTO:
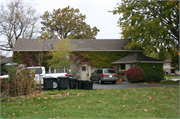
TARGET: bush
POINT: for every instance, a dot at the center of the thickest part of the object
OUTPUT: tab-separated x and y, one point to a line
153	76
153	72
135	74
20	82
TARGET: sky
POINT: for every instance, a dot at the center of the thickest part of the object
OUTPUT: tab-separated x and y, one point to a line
96	12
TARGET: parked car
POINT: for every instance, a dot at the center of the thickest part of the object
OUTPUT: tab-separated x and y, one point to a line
104	75
40	73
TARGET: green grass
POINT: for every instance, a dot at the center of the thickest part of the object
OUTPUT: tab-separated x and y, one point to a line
156	102
168	82
171	76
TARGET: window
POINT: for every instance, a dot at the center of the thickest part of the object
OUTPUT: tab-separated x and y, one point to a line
167	70
122	66
131	65
94	72
109	71
167	64
60	70
99	72
83	68
52	70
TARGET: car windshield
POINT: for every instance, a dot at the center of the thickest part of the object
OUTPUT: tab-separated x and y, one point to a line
38	70
109	71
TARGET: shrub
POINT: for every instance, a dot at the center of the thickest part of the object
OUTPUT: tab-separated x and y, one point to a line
153	76
22	83
153	72
135	74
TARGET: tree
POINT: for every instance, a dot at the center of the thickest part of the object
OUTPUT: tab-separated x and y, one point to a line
66	22
152	25
60	57
18	20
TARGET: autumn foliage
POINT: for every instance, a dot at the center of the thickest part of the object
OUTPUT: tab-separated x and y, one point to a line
135	74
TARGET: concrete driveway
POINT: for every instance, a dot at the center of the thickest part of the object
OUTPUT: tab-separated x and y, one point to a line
124	85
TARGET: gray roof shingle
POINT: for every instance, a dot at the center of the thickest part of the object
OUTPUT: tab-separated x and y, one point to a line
111	45
132	58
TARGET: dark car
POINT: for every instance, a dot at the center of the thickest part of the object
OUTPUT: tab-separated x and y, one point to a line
104	75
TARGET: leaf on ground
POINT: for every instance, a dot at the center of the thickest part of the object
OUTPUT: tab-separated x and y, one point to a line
145	110
13	114
124	106
22	97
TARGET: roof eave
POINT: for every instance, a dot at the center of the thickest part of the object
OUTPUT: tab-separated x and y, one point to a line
128	62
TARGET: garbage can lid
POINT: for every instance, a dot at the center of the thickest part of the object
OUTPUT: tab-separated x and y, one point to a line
72	78
63	77
80	80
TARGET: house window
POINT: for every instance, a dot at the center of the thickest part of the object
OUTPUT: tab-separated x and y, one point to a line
52	70
167	64
122	66
83	68
60	70
131	65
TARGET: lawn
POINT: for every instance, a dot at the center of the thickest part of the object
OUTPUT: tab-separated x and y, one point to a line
171	77
156	102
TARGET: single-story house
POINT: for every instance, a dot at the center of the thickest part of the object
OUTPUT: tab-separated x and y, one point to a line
123	64
82	67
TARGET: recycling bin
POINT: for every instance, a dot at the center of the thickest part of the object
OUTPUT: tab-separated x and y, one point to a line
72	82
63	82
85	84
50	83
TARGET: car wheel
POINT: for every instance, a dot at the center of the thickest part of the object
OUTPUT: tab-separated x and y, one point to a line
55	85
113	82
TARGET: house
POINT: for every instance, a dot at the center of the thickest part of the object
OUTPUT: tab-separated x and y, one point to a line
167	67
123	64
89	53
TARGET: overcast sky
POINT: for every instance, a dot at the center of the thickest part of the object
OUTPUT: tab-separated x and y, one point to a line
96	12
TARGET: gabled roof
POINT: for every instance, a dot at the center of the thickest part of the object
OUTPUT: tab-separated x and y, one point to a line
167	61
133	58
102	45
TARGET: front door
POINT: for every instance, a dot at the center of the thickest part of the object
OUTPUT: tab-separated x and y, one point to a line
83	73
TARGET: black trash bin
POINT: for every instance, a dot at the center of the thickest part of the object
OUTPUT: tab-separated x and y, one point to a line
50	83
72	82
63	82
85	84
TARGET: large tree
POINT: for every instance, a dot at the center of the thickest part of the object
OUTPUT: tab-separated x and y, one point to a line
66	22
18	20
152	25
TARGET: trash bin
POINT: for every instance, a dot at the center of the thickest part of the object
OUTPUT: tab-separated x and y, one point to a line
63	82
85	84
72	82
50	83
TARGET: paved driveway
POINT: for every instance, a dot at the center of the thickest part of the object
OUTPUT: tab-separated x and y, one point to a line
124	85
